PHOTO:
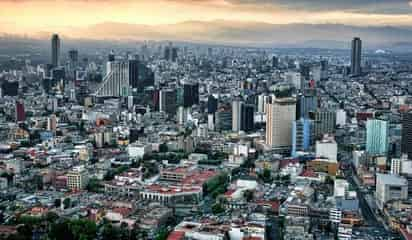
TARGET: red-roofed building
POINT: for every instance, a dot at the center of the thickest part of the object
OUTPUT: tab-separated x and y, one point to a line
406	234
176	235
252	238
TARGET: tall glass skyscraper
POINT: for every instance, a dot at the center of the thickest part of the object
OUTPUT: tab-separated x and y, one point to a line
302	135
376	137
356	56
406	144
55	50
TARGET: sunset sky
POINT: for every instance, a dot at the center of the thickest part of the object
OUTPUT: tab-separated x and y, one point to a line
18	16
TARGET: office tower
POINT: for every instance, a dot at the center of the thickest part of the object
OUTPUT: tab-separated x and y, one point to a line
327	148
77	179
190	94
295	79
316	74
140	76
376	137
302	135
55	48
167	53
247	122
223	119
390	187
279	118
167	101
406	143
174	54
324	123
20	112
275	62
10	88
73	57
306	102
236	115
396	164
341	117
356	56
125	76
110	60
324	69
305	72
52	123
209	51
211	104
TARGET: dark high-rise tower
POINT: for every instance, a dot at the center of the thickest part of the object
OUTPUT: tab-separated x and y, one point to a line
247	117
190	94
55	49
74	56
20	113
406	144
356	56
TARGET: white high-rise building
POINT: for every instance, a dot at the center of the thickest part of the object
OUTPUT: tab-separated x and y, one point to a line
236	115
396	164
390	187
279	120
327	148
340	117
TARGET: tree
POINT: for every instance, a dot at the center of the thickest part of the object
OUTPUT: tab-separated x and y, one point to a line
66	203
266	175
217	208
94	185
248	195
110	232
162	234
60	231
83	229
163	148
57	202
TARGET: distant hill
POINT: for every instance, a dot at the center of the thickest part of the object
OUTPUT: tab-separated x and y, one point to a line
246	33
255	33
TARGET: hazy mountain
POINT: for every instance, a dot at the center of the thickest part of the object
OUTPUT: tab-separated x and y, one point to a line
251	33
244	33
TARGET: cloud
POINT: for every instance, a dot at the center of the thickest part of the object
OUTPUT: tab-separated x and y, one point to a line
358	6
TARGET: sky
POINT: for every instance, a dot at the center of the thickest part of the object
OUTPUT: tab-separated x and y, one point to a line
25	16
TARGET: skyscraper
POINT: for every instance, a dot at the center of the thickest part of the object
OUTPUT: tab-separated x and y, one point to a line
125	76
406	144
376	137
236	115
167	101
356	56
307	102
190	94
212	104
55	49
324	123
20	112
302	135
247	122
279	118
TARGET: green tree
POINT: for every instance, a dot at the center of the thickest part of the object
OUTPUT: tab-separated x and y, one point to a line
163	148
248	195
83	229
94	185
60	231
110	232
217	208
66	203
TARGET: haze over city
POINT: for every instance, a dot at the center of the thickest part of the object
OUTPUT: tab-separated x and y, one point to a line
219	21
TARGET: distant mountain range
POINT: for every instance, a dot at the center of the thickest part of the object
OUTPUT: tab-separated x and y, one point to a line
248	33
